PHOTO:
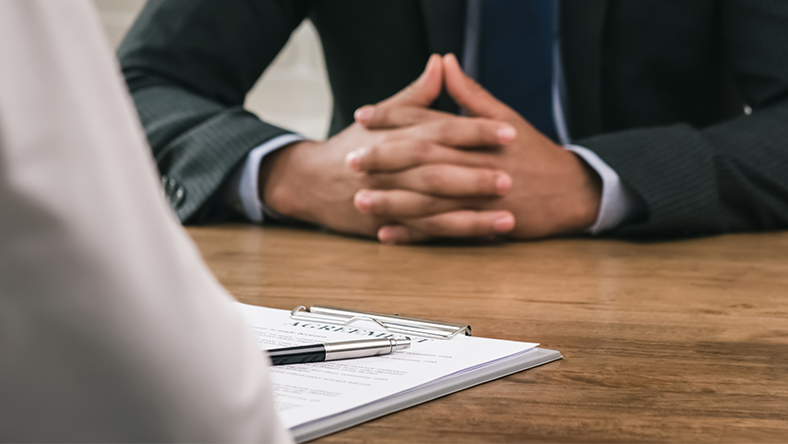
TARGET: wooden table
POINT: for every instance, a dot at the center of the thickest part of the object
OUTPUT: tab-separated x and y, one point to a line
672	341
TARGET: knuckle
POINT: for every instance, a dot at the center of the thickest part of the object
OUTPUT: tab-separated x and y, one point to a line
480	132
433	179
486	181
420	151
427	204
384	137
434	225
486	131
443	129
374	181
380	116
418	115
371	157
482	227
490	161
397	117
393	116
381	205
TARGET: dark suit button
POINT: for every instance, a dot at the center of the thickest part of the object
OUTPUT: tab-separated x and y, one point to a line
178	197
173	191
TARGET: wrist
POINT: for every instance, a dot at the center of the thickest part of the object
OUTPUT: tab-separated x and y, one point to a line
588	196
280	180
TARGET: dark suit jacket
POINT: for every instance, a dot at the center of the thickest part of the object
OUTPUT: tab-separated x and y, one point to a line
656	88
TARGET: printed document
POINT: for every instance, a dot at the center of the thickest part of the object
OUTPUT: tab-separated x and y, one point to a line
313	392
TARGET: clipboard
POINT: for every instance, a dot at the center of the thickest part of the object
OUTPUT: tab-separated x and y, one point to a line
393	323
481	360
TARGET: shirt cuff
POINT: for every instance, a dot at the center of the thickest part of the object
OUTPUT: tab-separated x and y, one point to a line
243	192
618	200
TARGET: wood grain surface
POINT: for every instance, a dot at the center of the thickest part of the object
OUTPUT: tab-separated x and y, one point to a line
677	341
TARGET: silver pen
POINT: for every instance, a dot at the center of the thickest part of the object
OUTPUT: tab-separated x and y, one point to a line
332	351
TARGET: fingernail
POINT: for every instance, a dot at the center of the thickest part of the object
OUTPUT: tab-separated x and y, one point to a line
503	183
353	159
504	223
363	201
364	114
391	235
506	134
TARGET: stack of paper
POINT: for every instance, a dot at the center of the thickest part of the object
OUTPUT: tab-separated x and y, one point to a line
319	398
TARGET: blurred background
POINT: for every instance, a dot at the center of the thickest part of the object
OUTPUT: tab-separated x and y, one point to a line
292	93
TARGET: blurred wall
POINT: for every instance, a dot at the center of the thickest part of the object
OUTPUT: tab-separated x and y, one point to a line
292	93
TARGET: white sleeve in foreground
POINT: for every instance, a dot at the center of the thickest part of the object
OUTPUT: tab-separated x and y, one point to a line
112	328
618	201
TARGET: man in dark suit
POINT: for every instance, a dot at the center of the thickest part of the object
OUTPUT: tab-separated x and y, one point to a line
675	113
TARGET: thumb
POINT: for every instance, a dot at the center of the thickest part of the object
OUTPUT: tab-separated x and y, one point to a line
421	93
424	90
472	97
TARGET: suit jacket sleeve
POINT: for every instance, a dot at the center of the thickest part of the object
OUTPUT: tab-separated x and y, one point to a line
189	65
729	176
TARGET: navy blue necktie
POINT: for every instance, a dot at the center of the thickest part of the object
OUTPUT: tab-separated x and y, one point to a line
517	57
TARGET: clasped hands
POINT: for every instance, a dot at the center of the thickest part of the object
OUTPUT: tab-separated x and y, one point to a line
406	173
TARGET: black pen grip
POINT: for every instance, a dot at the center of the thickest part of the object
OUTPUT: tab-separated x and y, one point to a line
298	355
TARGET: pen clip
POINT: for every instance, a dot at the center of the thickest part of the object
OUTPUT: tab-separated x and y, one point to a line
390	322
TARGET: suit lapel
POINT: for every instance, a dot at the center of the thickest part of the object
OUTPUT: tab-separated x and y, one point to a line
581	23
